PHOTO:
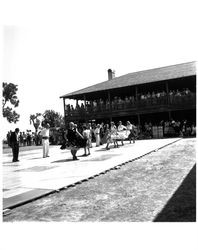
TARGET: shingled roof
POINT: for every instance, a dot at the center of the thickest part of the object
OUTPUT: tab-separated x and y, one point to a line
140	77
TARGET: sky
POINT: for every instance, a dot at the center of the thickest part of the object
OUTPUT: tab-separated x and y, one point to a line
51	48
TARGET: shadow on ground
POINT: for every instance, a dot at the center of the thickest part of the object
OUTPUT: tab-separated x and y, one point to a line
63	160
182	205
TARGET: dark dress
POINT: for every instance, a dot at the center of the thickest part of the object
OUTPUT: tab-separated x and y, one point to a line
75	141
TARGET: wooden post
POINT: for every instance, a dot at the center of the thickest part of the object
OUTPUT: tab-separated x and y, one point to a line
109	99
64	111
136	93
85	113
167	93
169	115
138	119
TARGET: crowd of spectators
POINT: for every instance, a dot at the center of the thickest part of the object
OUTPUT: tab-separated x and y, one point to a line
27	138
170	128
149	98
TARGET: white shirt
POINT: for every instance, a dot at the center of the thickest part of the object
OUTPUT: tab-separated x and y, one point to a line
45	132
97	131
86	133
121	127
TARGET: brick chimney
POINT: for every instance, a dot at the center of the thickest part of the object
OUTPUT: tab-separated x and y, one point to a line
111	74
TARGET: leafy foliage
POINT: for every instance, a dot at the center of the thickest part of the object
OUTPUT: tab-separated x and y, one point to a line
35	121
55	119
10	97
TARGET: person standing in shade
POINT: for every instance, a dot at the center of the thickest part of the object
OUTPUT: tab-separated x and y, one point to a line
131	129
45	140
97	135
14	143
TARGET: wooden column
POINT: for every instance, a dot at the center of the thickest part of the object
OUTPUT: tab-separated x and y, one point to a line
138	119
85	117
109	99
167	93
136	93
64	111
169	115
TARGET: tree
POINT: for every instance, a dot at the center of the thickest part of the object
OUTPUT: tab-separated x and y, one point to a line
10	97
55	119
34	119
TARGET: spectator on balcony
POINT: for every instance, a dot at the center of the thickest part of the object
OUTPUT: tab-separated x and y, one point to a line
67	109
120	102
187	91
127	102
82	107
115	102
87	106
94	105
132	100
148	98
101	104
154	100
142	97
178	93
107	104
171	96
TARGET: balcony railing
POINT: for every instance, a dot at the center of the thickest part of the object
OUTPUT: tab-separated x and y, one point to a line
142	104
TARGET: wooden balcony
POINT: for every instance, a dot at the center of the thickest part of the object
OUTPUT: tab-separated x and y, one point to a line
145	106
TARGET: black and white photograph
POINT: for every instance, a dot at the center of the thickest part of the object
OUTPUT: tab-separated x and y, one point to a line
98	124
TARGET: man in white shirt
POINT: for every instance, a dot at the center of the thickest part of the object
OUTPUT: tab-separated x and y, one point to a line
45	140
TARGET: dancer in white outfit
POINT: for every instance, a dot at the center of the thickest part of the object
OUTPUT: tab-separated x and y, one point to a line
121	128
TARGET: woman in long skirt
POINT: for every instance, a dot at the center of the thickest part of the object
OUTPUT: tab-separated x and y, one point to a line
74	140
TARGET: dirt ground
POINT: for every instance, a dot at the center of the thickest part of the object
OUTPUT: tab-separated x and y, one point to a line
160	186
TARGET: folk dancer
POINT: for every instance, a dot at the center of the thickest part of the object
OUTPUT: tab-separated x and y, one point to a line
107	136
45	140
74	140
86	135
114	134
121	129
131	129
